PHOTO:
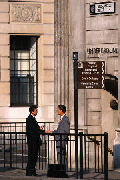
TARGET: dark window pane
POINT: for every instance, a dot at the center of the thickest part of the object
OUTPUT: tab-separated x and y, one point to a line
20	43
23	84
22	90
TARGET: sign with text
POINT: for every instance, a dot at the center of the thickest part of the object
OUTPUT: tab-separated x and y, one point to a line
91	75
102	8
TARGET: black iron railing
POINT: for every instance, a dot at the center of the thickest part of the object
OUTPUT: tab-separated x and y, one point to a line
21	126
91	157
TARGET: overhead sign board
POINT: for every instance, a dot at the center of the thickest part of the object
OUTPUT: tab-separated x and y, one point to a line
91	75
102	8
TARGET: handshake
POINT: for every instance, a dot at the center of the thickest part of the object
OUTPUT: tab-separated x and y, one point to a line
46	131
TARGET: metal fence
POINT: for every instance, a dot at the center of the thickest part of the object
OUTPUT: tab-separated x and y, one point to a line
21	126
92	152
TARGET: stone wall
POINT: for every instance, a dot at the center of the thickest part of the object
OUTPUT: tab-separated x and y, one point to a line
28	18
101	32
84	31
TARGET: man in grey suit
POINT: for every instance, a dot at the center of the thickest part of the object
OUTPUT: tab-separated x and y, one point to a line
61	140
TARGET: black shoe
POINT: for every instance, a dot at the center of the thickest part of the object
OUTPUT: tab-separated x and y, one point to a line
28	174
35	174
66	176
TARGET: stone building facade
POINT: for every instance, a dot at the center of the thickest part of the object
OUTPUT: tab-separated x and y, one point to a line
85	32
27	73
78	31
52	30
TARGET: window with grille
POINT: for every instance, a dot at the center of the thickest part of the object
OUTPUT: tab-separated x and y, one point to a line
23	70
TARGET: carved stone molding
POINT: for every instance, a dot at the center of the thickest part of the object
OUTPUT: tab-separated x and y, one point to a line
25	13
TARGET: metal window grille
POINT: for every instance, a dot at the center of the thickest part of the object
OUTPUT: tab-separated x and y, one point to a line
23	70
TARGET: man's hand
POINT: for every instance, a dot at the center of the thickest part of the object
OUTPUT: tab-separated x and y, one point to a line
41	127
47	131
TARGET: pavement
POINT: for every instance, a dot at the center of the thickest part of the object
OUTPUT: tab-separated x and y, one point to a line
18	174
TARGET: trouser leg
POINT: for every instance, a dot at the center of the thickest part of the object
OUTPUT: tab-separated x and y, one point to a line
61	154
29	168
32	157
35	154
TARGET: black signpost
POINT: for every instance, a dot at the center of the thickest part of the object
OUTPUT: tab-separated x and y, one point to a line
87	75
75	66
75	58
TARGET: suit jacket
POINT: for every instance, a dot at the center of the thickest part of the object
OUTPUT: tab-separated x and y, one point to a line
63	127
33	130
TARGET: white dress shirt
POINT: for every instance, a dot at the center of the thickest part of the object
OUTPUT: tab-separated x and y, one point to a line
62	116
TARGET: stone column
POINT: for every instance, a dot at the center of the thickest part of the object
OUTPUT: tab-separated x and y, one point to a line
61	55
69	37
77	43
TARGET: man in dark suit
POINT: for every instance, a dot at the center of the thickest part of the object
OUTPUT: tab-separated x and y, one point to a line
33	131
61	140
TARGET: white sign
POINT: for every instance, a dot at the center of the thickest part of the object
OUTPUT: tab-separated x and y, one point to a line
102	8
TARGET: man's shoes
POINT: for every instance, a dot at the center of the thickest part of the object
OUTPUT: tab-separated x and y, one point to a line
28	174
35	174
31	172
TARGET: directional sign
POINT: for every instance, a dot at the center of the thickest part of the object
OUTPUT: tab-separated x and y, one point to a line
91	75
102	8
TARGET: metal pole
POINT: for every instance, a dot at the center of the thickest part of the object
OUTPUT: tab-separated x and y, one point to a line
10	150
81	155
106	156
76	95
76	112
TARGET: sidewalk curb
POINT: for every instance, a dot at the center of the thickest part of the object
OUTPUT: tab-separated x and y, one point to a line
2	177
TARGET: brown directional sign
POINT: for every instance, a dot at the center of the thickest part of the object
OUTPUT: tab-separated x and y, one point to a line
91	75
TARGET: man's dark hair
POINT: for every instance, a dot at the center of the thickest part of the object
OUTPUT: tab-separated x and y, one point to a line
62	108
32	107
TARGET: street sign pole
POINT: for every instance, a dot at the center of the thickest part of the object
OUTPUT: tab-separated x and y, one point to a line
75	66
76	95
